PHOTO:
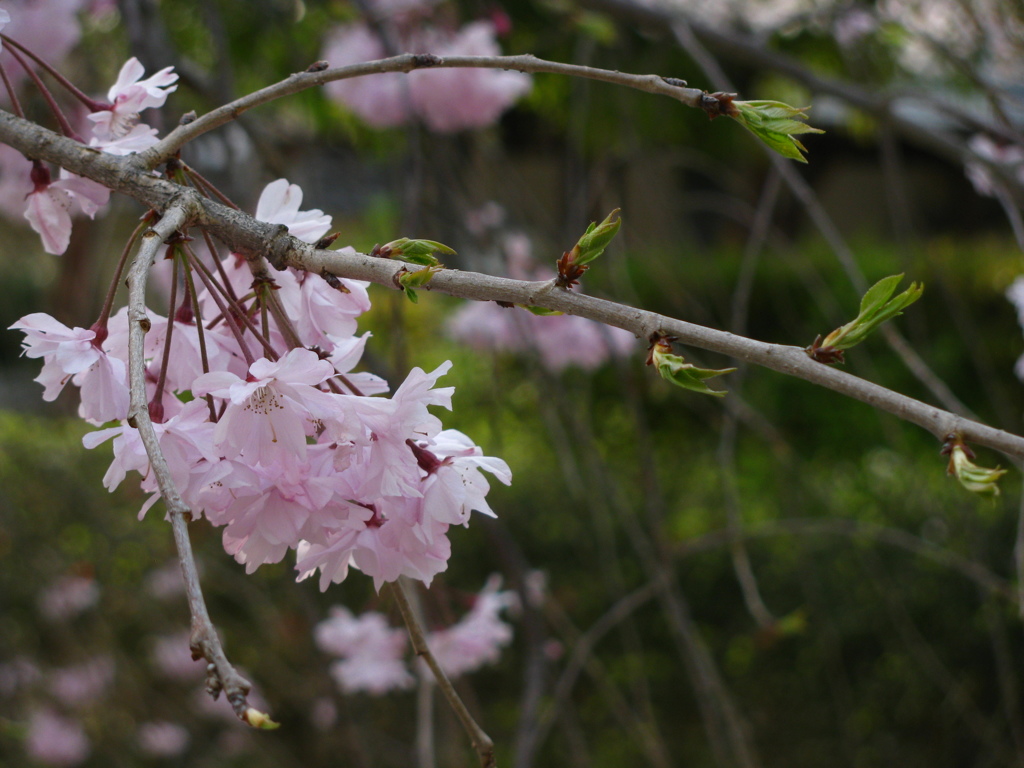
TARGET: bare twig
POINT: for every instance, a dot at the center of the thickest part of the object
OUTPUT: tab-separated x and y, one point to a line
407	62
481	741
204	641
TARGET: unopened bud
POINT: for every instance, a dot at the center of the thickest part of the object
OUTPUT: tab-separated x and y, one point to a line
597	238
976	479
260	720
415	251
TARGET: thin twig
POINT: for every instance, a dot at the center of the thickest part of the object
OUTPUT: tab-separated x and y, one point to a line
481	741
406	62
204	641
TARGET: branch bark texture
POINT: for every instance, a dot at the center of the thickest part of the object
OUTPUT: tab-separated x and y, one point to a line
243	234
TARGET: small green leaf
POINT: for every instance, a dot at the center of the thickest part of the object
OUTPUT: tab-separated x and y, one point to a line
597	238
876	307
879	293
976	479
775	124
681	373
415	251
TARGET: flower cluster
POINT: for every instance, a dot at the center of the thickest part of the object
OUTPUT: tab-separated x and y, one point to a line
372	654
446	100
265	428
115	129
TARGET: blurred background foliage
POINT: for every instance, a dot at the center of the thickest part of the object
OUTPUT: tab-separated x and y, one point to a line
883	626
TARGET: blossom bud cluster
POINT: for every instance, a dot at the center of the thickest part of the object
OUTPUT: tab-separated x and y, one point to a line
372	654
266	429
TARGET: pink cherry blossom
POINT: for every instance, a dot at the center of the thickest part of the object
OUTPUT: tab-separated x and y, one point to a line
279	204
371	651
391	468
282	506
71	354
135	139
293	451
48	205
129	96
270	413
456	486
90	195
186	440
47	210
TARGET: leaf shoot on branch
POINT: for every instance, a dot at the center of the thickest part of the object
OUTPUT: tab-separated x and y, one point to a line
975	479
675	369
413	251
591	244
773	122
876	307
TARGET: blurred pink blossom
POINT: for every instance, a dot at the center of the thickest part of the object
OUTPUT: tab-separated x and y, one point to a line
447	100
68	598
84	682
20	672
561	341
162	739
55	740
477	639
173	657
166	582
48	27
371	652
324	714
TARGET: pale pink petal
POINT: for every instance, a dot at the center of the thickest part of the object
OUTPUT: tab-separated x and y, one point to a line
47	213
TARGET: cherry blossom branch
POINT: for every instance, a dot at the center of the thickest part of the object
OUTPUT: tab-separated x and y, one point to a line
204	641
789	360
481	741
407	62
244	234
